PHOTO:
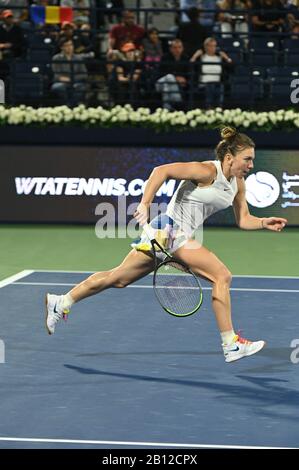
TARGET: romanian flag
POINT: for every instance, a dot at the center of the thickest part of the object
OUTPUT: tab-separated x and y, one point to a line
50	15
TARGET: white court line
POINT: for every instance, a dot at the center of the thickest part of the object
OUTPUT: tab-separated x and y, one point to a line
15	277
265	277
141	286
59	271
129	443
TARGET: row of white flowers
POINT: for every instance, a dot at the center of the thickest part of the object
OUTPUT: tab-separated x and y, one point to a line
160	119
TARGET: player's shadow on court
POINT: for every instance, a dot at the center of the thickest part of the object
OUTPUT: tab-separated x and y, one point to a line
281	357
281	361
252	394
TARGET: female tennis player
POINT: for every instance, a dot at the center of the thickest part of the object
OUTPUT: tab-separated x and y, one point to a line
209	186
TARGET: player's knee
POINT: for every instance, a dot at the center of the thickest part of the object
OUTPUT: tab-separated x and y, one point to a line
95	282
120	283
224	276
117	278
92	285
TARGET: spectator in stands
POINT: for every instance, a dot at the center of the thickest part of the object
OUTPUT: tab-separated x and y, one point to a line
127	76
87	47
174	76
266	19
212	70
12	40
86	40
152	47
152	55
20	12
292	11
127	31
235	20
192	34
295	31
68	31
81	37
70	74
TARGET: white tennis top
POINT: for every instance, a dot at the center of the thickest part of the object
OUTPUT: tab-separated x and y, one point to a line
191	205
211	68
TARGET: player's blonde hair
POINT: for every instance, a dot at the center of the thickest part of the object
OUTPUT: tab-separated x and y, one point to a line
232	142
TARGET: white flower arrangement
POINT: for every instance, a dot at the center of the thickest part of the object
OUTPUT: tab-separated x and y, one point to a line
160	119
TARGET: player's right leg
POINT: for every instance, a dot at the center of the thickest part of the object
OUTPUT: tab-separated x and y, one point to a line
135	266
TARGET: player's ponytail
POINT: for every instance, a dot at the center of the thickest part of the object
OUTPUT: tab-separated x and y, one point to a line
228	132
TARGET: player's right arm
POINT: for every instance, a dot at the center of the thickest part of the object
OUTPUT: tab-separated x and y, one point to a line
199	172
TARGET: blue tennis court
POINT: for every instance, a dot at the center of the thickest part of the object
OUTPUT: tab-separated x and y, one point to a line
123	373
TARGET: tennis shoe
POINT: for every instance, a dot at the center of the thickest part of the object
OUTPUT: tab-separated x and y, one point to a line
241	347
54	311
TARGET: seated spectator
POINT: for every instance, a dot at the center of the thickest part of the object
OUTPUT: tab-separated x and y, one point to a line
127	75
295	31
69	31
86	40
127	31
81	38
152	47
87	48
174	75
292	12
266	19
192	34
70	74
233	21
11	37
20	12
211	74
152	54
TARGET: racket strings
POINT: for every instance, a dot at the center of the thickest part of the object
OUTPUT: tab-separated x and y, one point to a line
178	291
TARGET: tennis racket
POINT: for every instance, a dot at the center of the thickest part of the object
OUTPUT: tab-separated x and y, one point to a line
177	289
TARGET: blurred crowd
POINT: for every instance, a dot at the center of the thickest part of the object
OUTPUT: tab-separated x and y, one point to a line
177	53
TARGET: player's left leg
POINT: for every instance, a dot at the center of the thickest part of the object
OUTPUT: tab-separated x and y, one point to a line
206	264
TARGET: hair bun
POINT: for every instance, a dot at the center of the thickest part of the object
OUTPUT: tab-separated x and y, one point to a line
228	132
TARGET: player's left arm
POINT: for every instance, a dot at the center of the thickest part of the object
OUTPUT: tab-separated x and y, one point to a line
246	221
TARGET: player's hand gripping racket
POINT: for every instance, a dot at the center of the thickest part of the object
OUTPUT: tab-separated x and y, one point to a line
177	288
